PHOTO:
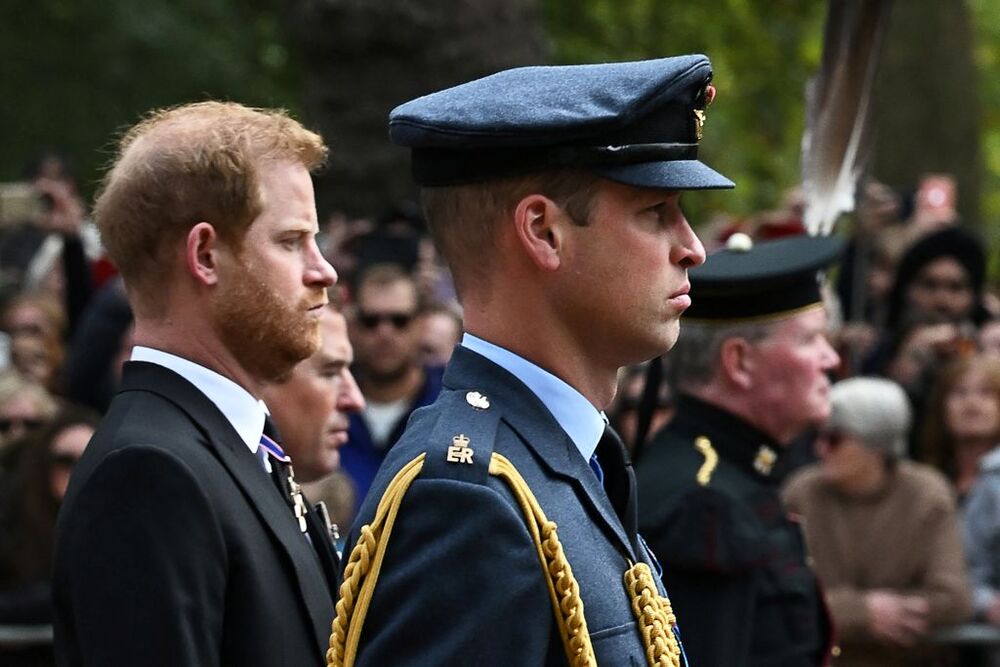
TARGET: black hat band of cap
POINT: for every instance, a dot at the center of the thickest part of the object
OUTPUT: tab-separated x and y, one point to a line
444	166
746	283
748	315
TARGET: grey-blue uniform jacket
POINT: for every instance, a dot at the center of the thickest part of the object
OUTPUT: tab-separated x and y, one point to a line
461	583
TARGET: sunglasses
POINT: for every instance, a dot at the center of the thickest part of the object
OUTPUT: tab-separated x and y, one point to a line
397	320
832	439
66	461
7	424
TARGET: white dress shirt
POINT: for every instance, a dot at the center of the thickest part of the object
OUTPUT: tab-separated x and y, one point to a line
243	411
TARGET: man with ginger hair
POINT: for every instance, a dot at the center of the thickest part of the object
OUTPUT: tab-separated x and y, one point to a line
184	539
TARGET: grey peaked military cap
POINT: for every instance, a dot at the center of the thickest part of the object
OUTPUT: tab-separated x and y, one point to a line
637	123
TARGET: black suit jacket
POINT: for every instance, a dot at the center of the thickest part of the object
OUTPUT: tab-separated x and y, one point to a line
174	547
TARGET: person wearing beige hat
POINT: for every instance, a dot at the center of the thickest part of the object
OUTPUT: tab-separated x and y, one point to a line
882	530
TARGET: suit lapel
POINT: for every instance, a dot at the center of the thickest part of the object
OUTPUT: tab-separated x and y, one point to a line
540	432
248	474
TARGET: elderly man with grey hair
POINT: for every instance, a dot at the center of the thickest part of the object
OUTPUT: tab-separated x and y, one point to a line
882	530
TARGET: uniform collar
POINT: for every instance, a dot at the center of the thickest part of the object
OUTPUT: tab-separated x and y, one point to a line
582	422
734	439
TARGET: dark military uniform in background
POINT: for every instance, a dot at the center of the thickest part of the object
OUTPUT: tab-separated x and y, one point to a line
734	562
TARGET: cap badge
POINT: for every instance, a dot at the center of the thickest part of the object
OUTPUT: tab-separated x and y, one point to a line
477	400
699	123
460	452
699	114
764	462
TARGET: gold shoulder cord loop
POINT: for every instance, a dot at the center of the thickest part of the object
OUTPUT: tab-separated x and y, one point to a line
365	561
564	590
653	612
366	558
655	617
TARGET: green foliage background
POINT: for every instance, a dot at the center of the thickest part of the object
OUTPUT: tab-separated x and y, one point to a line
986	16
762	54
74	72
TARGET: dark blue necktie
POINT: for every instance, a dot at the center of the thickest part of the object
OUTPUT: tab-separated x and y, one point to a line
595	465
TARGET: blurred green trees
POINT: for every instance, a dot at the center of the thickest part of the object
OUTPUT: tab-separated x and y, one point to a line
72	72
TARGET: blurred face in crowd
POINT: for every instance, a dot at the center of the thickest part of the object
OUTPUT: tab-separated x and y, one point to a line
67	448
790	387
312	408
386	338
272	290
844	458
942	288
36	358
972	407
625	285
439	333
29	319
989	337
18	415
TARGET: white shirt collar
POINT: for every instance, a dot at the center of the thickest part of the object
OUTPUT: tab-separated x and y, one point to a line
243	411
582	422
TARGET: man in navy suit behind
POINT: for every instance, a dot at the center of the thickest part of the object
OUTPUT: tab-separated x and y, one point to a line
183	539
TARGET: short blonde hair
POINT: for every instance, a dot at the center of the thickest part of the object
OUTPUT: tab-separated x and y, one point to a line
188	164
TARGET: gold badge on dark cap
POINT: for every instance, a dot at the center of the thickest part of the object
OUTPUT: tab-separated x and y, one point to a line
699	114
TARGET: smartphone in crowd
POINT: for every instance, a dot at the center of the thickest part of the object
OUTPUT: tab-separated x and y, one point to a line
20	202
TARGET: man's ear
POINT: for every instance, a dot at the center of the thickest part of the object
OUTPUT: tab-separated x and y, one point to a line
201	253
737	362
536	225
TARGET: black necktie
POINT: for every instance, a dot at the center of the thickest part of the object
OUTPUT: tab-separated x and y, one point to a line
618	478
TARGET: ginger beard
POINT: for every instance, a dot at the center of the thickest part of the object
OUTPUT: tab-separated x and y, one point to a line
266	335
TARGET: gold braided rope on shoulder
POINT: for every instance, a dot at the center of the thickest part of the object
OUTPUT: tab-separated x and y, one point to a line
652	611
564	590
366	559
655	617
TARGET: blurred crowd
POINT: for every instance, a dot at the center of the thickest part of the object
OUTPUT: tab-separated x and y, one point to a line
900	491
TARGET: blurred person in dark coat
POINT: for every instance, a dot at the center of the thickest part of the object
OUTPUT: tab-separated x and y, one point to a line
32	493
750	370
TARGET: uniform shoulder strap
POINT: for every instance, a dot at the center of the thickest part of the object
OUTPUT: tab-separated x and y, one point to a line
462	440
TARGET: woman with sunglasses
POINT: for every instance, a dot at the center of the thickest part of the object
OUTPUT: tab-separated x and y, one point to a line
882	530
33	492
24	405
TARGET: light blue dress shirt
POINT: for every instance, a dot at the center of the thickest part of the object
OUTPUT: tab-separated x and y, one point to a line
582	422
